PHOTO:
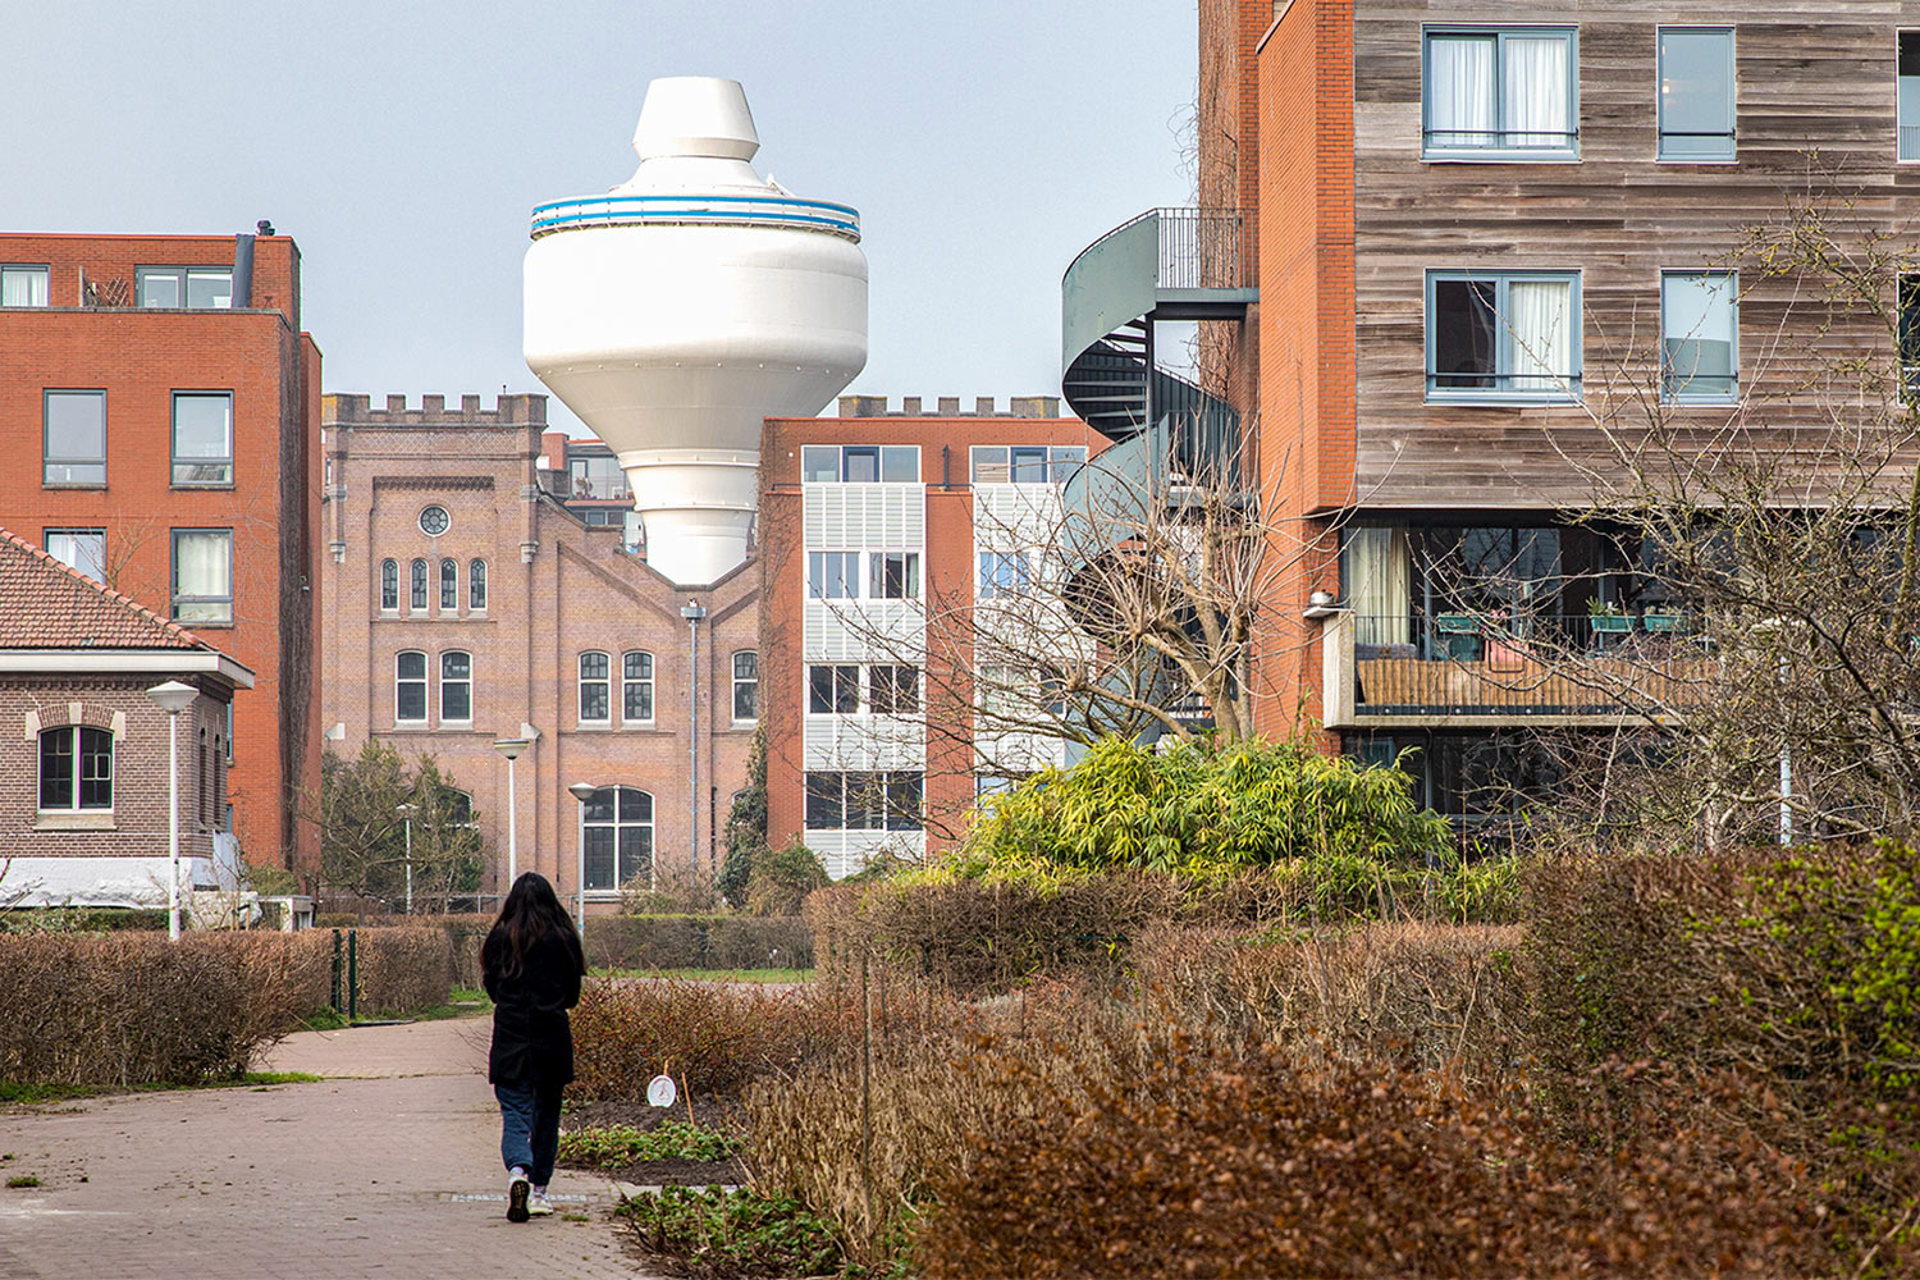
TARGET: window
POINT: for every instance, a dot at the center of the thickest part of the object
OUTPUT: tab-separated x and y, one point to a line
616	834
893	689
75	439
597	476
204	792
23	286
1699	336
434	520
389	585
1511	93
76	769
1696	93
456	686
410	687
636	687
417	586
1908	123
449	586
833	575
1512	336
896	575
833	690
196	288
203	575
477	585
596	677
746	685
83	550
859	801
1004	573
1001	464
860	464
202	437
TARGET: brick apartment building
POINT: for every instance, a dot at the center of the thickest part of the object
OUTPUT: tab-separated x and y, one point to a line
876	527
472	598
1433	241
84	759
161	404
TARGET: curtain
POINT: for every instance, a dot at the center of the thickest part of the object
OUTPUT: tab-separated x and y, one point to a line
1540	323
1535	91
1378	585
1460	95
203	561
23	288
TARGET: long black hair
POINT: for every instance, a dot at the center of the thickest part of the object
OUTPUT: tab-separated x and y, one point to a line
532	914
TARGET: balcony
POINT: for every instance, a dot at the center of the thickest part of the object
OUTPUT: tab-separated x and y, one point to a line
1468	671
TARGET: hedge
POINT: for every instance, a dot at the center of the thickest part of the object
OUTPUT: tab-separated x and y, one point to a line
699	942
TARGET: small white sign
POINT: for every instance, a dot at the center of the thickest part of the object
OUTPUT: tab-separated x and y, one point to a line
660	1091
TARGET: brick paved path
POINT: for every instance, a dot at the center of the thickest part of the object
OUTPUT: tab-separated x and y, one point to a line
390	1167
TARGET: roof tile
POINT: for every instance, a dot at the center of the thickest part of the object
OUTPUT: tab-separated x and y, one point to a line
46	605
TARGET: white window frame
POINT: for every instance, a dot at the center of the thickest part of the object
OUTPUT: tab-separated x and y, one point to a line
424	681
649	824
583	680
750	679
449	585
826	578
447	680
418	587
476	585
885	456
1568	393
646	682
389	585
76	735
1500	33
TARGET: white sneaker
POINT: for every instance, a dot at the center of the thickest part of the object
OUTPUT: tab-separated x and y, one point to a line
538	1205
518	1188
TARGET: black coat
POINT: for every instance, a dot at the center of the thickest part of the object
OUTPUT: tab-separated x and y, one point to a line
532	1039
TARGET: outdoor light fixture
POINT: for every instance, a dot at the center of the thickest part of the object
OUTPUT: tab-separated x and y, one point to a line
1321	604
407	811
583	792
511	749
173	697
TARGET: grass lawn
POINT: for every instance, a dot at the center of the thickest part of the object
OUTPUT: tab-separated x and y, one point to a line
29	1094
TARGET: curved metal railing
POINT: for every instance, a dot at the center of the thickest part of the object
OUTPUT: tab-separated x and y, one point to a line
704	210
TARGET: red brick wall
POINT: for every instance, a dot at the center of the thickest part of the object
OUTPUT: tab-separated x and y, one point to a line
576	591
948	574
139	358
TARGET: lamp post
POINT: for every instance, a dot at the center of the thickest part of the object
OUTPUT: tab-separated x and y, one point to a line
583	792
407	811
511	749
173	697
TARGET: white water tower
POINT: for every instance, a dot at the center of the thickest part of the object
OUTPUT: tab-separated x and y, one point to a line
679	310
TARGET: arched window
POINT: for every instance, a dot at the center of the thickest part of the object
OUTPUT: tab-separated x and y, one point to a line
636	688
76	768
417	594
596	702
203	793
477	585
746	685
616	834
389	585
410	687
456	685
459	807
449	586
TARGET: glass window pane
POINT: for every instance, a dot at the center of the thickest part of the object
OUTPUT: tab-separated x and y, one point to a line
635	805
96	769
56	769
202	439
417	584
825	811
411	666
989	464
820	463
638	666
1696	94
1029	466
1067	459
900	463
903	802
1464	333
599	806
449	585
594	701
389	585
455	665
1699	335
76	437
637	699
1534	91
158	288
746	665
83	550
820	690
209	289
866	802
1460	97
1540	330
636	854
594	666
599	857
203	575
1909	95
23	286
410	700
477	584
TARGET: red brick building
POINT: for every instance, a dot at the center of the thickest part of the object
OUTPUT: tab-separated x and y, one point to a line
161	405
471	599
84	755
865	520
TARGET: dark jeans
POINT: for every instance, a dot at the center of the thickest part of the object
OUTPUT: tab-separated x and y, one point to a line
529	1128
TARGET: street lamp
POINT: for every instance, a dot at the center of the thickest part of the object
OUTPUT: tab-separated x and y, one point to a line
407	811
173	698
583	792
511	749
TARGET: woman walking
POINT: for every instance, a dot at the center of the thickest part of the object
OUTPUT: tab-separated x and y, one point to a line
531	965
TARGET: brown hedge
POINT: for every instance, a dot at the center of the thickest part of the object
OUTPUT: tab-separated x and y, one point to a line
699	942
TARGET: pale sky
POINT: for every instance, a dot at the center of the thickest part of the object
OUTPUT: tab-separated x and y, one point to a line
403	144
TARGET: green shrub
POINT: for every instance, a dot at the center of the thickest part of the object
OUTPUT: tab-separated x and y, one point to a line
82	919
619	1145
1204	809
780	879
715	1233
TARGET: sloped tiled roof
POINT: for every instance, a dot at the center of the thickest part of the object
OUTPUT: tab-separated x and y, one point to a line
46	605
